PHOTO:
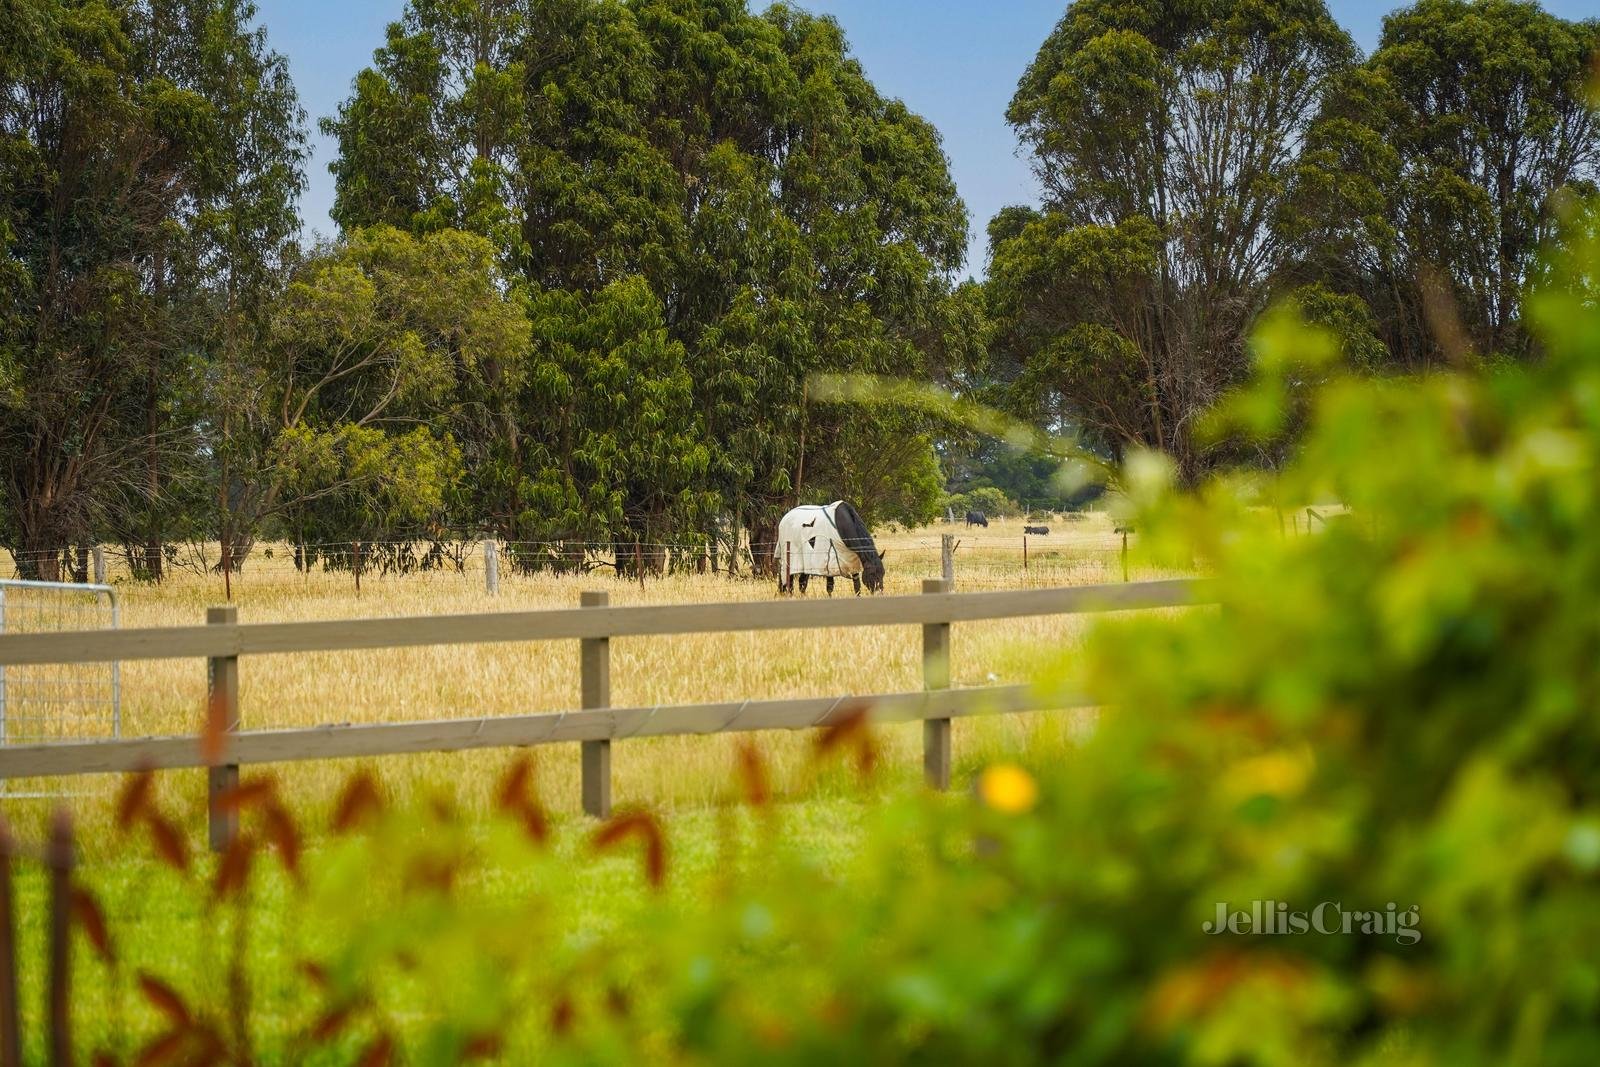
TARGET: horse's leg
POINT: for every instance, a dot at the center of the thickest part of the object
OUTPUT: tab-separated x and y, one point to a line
805	580
830	585
855	579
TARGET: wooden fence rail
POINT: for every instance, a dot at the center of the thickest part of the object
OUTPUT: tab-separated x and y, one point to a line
223	640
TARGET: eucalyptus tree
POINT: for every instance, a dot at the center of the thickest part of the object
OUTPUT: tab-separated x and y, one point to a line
782	215
1438	170
1164	134
149	160
366	400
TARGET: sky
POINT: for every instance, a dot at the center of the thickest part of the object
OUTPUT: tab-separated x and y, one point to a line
955	62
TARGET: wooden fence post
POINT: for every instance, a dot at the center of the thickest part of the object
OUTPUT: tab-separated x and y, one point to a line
222	684
10	1020
596	655
936	675
947	560
491	566
58	858
1024	553
99	555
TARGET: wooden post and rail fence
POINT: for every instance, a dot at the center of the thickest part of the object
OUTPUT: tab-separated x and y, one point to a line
223	640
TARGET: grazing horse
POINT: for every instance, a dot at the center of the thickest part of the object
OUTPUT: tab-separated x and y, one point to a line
977	518
827	541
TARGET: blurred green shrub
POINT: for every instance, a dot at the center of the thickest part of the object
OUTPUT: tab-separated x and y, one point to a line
992	502
1396	713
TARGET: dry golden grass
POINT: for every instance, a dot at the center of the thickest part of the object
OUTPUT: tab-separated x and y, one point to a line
165	696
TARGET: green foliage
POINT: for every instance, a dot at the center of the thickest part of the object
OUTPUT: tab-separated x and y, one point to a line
614	440
990	500
781	214
1199	161
1030	479
1435	173
387	365
150	157
890	466
1393	716
1165	135
1396	710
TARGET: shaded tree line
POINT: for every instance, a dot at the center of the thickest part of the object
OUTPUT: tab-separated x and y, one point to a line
592	251
150	156
1200	161
700	208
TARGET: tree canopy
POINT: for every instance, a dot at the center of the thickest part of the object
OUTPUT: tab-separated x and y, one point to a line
1200	161
728	188
599	259
1434	174
150	157
1164	134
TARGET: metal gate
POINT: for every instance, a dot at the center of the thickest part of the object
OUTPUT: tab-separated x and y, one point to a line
58	702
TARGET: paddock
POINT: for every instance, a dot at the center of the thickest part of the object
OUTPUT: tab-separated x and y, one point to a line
313	689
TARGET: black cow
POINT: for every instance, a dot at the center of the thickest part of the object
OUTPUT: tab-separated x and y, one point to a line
1040	530
977	518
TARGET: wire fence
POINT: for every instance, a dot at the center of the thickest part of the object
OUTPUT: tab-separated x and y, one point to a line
53	702
1070	554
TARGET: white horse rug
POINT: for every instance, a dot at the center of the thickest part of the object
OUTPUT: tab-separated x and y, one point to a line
809	542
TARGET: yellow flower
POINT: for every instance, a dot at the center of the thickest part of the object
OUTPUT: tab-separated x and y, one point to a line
1008	788
1278	774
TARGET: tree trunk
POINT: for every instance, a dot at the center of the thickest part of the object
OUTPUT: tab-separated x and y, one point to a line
152	460
763	535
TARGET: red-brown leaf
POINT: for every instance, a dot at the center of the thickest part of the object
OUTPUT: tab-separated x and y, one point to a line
102	1058
233	871
753	774
534	821
845	728
331	1023
359	799
285	836
515	797
214	735
315	972
164	1048
134	798
482	1047
247	794
562	1015
168	841
92	921
165	999
514	784
638	824
851	729
379	1053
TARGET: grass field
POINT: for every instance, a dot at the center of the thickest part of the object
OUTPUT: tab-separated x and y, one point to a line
689	780
166	696
568	899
